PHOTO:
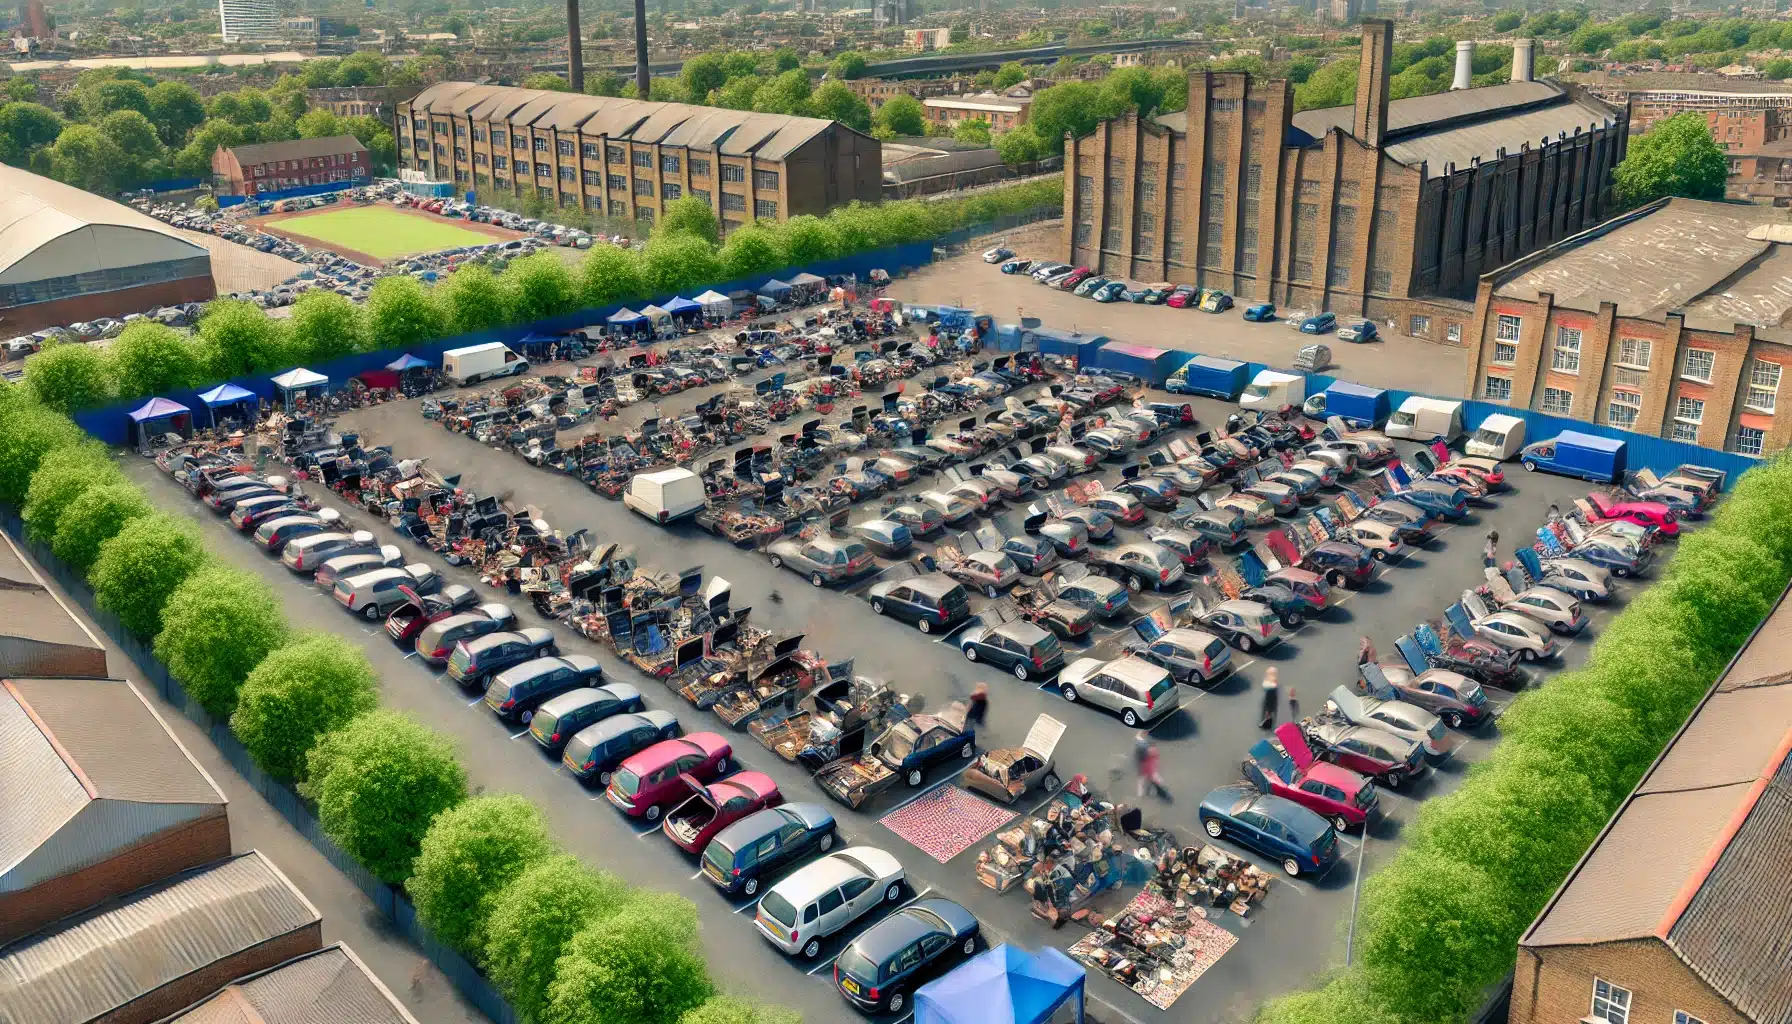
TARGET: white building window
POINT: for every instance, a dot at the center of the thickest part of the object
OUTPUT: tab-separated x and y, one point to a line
1763	385
1505	353
1688	414
1557	401
1623	410
1635	352
1419	326
1749	441
1453	334
1699	362
1567	351
1610	1003
1682	1017
1508	328
1498	389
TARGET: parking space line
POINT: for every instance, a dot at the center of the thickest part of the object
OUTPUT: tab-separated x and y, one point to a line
475	702
519	734
644	835
409	656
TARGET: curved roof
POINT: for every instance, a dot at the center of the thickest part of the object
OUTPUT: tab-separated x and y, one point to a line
35	211
735	132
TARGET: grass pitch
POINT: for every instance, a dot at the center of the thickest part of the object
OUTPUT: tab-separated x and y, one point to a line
382	232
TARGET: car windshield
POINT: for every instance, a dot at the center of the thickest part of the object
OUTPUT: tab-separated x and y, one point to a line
1214	648
1257	390
776	907
626	782
1164	685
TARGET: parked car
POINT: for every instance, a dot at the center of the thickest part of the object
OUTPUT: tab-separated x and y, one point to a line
822	559
594	752
1408	721
304	554
373	595
474	661
1302	841
344	566
1182	296
1653	514
746	852
1135	689
1388	759
1319	323
823	898
1453	697
1261	312
515	693
934	602
1286	767
274	534
693	822
250	513
1360	331
645	782
559	718
997	255
420	610
1099	594
1246	625
884	537
1341	562
879	971
1615	555
1018	647
1189	655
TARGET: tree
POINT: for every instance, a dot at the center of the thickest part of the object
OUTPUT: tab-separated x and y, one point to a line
401	314
119	94
836	102
470	853
319	124
972	132
785	59
1506	21
703	73
738	93
378	782
689	216
1009	75
325	326
314	685
195	158
809	240
149	358
720	1009
22	88
604	83
673	263
140	567
609	275
902	115
61	477
68	376
176	109
1428	902
1074	107
472	299
1333	85
362	68
1726	584
1019	146
531	919
540	286
245	107
137	141
237	338
26	128
1591	38
848	66
216	627
787	93
1779	69
94	517
28	433
641	965
1676	157
547	80
750	250
84	157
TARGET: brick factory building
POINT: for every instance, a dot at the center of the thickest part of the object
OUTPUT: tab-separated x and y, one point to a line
1650	96
1667	320
1679	912
67	255
1005	111
359	100
1390	209
274	166
626	158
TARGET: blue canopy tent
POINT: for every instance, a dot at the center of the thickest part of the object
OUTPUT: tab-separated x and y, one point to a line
626	321
774	289
226	395
298	382
1005	985
156	410
534	347
407	362
681	306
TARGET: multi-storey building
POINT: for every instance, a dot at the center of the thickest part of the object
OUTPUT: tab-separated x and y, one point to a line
877	91
627	158
359	101
1668	320
245	20
1387	209
273	166
1650	96
1004	111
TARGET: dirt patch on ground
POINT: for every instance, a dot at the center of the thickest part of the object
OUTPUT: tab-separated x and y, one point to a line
281	224
238	268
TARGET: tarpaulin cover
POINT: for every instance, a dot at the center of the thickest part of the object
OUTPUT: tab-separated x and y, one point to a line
626	315
406	362
299	378
680	305
379	378
807	280
655	313
774	288
1005	985
716	303
227	394
158	409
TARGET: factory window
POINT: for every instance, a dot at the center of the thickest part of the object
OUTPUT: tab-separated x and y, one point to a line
700	193
731	201
614	154
1216	179
1211	255
479	160
1453	333
618	208
1147	223
1381	281
1116	186
1173	252
544	193
643	187
644	158
1698	364
501	181
541	145
1763	386
765	209
1348	191
564	147
1147	246
460	131
518	141
403	121
1337	276
618	183
1308	188
1110	237
1084	231
644	214
1498	389
460	175
1418	327
589	150
1566	356
1688	412
1508	327
479	135
568	174
1225	106
734	172
669	164
767	180
593	178
441	127
1247	263
1749	441
1622	411
670	191
1557	401
1116	167
522	168
569	199
459	153
1505	353
544	171
497	137
699	167
1634	352
1148	191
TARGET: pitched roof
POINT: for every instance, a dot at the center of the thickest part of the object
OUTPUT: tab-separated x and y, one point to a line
736	132
328	986
38	634
1695	858
296	149
35	210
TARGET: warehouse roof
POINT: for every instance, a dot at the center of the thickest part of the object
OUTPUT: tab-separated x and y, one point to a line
328	986
39	636
35	210
1678	81
1695	858
296	149
736	132
88	965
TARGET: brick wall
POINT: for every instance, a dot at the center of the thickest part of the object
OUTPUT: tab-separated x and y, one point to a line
1554	984
148	861
37	316
183	992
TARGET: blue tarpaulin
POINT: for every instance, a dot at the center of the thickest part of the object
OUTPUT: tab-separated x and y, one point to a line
625	317
1005	985
680	306
774	289
158	409
407	362
227	394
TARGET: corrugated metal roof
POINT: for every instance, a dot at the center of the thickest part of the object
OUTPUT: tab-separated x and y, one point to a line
34	210
330	986
738	132
117	740
127	948
38	792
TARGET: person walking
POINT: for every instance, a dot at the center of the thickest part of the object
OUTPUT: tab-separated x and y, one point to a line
1293	705
1148	773
1269	698
1491	549
979	709
1141	752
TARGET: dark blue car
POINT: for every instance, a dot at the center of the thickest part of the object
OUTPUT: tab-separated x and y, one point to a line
880	970
1262	312
1304	842
764	843
1319	323
1437	499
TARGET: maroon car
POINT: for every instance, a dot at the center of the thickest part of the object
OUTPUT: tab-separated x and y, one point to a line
409	619
646	782
710	809
1376	753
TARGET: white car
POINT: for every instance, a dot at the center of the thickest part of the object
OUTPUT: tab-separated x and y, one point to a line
1045	270
1584	580
1552	607
998	254
1407	721
826	896
954	508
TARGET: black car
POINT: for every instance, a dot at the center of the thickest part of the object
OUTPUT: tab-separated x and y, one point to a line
1018	647
474	662
516	692
557	720
935	602
596	750
756	846
1153	492
1032	555
880	970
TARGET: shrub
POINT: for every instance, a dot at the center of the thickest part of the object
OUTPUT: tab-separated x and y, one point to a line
610	275
216	627
532	918
238	338
673	263
401	314
473	300
1432	934
809	240
315	684
539	287
61	477
140	568
94	518
470	853
68	377
752	250
731	1010
152	359
640	966
689	216
379	781
325	326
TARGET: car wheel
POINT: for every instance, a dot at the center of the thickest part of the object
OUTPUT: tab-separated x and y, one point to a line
553	650
1335	578
897	1002
1214	828
1529	655
826	844
1452	719
1245	644
970	945
652	813
1132	584
970	652
1292	620
812	948
1392	781
526	717
878	607
1130	718
1051	782
914	777
1621	572
1069	692
603	779
371	613
722	767
1020	671
1341	823
924	626
751	885
893	893
1379	556
817	579
1529	466
1291	866
777	563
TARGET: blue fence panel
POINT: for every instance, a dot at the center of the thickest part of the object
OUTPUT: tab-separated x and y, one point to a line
225	202
173	184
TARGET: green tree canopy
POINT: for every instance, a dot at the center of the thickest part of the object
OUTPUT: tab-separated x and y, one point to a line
836	102
720	1009
1009	75
69	376
1018	146
217	626
472	299
738	93
902	115
313	685
1676	157
972	132
1074	107
673	263
140	567
532	918
641	965
28	433
703	73
119	94
540	286
379	781
26	128
604	83
237	338
176	109
400	313
785	59
362	68
245	107
1506	21
752	249
83	156
149	358
610	274
689	216
319	124
325	326
787	93
848	66
470	852
94	517
808	240
59	479
547	80
1333	85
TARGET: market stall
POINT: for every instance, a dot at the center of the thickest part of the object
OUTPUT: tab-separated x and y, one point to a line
238	402
658	320
684	310
716	305
807	287
1006	985
299	383
158	416
626	321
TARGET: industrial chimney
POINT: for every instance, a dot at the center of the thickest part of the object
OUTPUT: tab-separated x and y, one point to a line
1465	64
1524	60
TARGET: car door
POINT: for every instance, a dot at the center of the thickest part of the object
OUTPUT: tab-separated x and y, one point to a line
835	914
1106	691
933	950
782	847
903	965
860	896
1164	654
901	604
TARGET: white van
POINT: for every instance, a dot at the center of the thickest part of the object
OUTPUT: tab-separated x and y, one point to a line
665	495
1271	390
475	363
1498	437
1423	419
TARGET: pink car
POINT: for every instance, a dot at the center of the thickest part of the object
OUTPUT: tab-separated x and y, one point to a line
1642	513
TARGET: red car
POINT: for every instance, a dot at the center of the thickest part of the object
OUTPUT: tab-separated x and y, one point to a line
646	782
695	822
410	618
1291	772
1183	297
1376	753
1642	513
1075	278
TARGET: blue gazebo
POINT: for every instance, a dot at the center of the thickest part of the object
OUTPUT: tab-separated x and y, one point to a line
1006	985
407	362
158	410
225	396
680	306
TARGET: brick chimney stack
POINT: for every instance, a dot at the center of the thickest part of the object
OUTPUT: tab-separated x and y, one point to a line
1372	81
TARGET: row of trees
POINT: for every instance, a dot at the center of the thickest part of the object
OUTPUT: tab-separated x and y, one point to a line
237	339
565	943
1440	923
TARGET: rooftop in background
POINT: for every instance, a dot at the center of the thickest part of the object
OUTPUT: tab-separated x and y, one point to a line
1012	101
1679	254
297	149
1674	81
39	636
230	60
329	986
1696	856
36	211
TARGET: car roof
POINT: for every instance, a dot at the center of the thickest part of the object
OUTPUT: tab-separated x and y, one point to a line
810	881
1306	824
1021	630
1135	670
934	584
896	932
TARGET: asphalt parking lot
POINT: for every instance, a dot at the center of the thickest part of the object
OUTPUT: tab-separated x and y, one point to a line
1295	933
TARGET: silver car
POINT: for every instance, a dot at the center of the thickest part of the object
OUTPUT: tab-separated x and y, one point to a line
305	554
1407	721
375	594
823	560
1135	688
826	896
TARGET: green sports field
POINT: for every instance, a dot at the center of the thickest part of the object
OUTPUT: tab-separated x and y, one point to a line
381	231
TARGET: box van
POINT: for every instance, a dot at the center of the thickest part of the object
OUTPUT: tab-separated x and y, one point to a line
475	363
1572	453
1208	375
1423	419
1271	390
665	495
1498	437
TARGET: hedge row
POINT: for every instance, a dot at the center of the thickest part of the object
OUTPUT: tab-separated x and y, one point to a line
565	943
236	338
1440	923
